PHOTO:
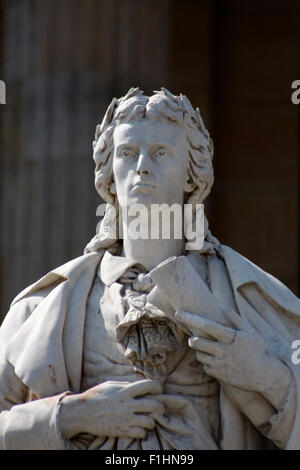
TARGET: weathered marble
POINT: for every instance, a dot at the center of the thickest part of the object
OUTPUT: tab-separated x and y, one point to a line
142	343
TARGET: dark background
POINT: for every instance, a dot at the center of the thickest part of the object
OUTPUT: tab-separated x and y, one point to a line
64	60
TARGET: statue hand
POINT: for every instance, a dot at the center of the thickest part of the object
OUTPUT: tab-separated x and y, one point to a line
234	357
113	409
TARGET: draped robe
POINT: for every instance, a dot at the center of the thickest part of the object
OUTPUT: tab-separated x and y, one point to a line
42	351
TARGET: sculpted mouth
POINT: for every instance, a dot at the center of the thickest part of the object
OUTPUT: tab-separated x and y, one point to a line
143	185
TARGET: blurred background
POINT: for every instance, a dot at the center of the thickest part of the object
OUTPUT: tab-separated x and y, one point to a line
64	60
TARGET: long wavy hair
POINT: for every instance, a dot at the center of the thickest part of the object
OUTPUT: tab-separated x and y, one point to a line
166	107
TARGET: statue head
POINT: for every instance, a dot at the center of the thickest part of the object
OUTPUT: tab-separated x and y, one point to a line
163	106
162	109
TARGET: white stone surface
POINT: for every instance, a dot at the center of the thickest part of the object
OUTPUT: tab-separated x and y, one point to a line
138	344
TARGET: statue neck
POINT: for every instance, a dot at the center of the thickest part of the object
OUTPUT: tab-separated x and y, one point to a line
145	239
150	253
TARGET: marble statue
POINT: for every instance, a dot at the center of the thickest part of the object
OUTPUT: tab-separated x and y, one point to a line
142	343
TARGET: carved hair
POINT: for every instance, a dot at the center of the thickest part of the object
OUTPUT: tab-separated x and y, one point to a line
164	106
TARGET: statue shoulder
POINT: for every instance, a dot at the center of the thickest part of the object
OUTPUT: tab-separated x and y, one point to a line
25	303
70	270
19	311
243	273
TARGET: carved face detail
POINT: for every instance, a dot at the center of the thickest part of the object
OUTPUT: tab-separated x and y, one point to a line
150	162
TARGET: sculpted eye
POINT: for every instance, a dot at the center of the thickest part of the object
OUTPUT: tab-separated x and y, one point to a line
161	152
126	153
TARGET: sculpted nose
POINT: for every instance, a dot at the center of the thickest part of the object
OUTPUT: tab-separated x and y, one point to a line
143	168
143	171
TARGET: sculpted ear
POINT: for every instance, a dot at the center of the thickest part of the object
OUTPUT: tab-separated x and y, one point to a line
190	185
112	187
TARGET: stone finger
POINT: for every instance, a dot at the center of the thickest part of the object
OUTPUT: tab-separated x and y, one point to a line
206	346
144	387
142	421
204	358
200	326
144	405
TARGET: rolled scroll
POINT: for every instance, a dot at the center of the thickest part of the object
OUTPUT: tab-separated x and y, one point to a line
183	288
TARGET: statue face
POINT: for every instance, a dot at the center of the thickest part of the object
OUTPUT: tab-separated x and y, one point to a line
150	162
